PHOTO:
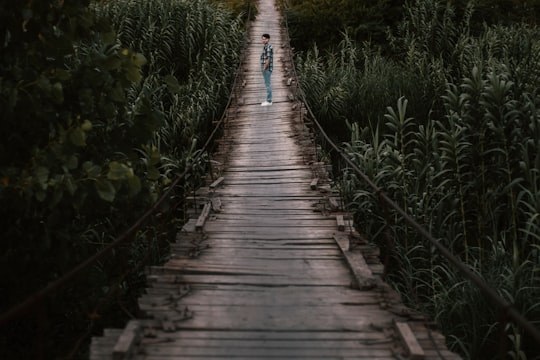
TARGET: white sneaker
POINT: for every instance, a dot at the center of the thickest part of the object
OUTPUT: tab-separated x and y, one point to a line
266	103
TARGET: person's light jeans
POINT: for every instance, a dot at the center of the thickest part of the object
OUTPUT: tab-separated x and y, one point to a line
268	84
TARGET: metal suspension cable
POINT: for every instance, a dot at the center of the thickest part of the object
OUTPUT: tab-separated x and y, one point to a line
38	296
487	291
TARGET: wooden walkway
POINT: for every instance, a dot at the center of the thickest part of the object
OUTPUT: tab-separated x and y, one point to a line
264	269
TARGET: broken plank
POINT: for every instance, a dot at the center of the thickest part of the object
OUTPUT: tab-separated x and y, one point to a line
204	215
333	203
414	350
360	269
340	222
189	226
216	204
125	345
217	182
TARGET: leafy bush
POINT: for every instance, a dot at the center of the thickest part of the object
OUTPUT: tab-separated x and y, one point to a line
95	124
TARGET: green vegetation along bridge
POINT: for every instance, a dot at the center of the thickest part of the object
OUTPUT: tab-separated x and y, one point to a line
270	266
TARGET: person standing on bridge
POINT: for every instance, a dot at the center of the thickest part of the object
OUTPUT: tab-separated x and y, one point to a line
267	65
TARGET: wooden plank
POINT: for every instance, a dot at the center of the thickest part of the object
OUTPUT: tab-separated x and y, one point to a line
277	266
361	271
259	351
275	205
242	256
204	215
343	242
245	295
313	184
270	222
333	203
258	247
268	318
291	235
226	334
274	212
189	226
340	222
217	182
290	231
125	345
263	191
313	343
157	299
216	204
290	177
414	350
223	271
270	169
269	280
234	213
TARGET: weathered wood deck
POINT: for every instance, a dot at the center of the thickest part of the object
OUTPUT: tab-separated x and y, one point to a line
266	273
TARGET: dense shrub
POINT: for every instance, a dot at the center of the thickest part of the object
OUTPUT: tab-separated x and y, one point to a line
95	125
446	123
322	22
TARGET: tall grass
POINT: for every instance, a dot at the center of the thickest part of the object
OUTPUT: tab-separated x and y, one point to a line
347	85
448	127
192	50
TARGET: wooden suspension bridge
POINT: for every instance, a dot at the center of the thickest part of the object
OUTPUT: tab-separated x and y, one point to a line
270	265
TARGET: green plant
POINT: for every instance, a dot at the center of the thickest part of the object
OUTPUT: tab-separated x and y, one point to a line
321	22
460	156
95	126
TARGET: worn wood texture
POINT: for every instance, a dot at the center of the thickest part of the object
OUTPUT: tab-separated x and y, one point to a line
414	349
269	266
